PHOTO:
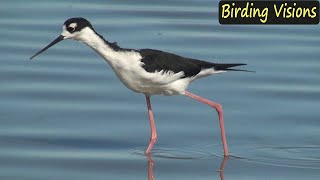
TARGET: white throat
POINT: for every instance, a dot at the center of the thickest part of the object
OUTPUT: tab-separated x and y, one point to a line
90	38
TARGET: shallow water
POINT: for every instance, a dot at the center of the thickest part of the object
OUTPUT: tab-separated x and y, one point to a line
65	115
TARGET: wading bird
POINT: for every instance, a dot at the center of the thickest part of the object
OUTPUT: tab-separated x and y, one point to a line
147	71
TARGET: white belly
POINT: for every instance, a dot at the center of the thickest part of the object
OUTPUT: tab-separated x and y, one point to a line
157	83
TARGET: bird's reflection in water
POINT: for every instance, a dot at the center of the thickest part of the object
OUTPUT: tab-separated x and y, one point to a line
151	163
150	167
222	166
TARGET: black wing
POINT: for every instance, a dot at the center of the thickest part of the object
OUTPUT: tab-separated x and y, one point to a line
156	60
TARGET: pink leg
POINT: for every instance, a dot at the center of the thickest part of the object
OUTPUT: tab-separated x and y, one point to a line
218	108
153	137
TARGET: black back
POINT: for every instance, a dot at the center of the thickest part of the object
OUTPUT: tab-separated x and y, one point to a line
156	60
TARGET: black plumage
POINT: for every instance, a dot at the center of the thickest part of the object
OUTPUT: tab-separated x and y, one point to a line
156	60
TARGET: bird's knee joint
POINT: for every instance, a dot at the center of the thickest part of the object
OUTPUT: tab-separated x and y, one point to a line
219	107
153	137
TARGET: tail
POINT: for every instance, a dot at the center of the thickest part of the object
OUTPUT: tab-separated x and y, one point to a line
226	67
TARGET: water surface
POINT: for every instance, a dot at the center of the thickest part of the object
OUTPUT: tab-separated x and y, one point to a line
65	115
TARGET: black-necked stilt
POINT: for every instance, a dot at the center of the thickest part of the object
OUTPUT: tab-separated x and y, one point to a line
147	71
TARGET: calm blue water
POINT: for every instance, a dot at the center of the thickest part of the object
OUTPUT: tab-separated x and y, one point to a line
65	115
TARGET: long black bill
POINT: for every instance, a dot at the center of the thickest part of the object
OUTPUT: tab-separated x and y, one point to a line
58	39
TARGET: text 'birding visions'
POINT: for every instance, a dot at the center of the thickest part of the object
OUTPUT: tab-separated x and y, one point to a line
268	12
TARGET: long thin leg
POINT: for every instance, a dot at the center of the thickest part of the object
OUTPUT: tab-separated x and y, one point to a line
218	108
153	137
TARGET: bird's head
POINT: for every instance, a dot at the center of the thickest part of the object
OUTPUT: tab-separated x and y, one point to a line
73	28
